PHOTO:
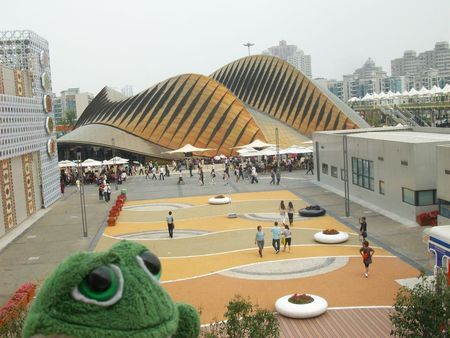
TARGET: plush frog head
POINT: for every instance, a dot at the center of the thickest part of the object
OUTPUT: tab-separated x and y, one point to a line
110	294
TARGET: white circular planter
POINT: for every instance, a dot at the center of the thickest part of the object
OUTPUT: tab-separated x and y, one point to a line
331	239
214	200
313	309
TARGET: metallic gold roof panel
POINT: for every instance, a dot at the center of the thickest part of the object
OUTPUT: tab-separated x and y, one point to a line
185	109
273	86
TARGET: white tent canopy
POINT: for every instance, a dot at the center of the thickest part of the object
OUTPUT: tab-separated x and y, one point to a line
188	148
248	152
367	97
295	149
66	163
446	89
257	144
424	91
435	90
413	92
116	160
91	163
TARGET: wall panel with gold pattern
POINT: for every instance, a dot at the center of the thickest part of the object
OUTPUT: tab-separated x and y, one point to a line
7	191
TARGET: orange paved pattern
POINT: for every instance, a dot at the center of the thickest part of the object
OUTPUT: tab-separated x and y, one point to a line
192	265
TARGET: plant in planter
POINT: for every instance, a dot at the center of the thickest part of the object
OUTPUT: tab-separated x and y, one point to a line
330	232
299	299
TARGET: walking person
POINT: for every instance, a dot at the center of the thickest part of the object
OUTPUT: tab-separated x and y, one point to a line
362	229
166	169
276	235
254	175
201	176
366	253
154	174
282	210
309	166
162	173
272	176
213	176
180	177
259	239
241	172
278	175
170	225
287	237
105	190
290	213
108	193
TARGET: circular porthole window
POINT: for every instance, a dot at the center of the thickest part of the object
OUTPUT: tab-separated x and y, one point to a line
49	125
45	81
51	147
48	103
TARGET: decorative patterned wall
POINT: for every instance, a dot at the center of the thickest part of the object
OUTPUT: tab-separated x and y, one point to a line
7	192
27	165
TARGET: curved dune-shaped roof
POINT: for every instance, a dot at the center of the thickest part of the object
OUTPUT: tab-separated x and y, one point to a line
275	87
184	109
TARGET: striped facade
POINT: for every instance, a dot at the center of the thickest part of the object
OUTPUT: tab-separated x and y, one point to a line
188	108
275	87
243	101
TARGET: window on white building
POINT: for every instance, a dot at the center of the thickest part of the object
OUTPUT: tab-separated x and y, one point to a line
362	173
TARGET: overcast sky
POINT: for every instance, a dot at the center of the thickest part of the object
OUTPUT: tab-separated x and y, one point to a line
141	42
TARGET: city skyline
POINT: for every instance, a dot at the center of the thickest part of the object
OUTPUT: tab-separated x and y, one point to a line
124	45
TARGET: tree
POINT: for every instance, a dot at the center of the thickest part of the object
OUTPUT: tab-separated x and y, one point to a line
70	117
243	319
424	310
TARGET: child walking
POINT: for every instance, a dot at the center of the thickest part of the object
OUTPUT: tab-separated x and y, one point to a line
366	253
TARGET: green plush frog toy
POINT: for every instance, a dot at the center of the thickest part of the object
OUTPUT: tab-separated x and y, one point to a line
110	294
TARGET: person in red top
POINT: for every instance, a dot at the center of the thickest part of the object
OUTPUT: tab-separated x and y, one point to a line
366	253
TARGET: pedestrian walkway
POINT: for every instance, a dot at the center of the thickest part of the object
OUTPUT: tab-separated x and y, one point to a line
58	233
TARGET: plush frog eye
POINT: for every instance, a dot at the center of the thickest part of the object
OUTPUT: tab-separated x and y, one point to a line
102	286
150	263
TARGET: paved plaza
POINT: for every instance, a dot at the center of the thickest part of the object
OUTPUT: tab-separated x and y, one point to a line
212	257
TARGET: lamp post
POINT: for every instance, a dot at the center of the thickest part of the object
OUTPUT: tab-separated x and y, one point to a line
248	45
82	199
114	161
346	183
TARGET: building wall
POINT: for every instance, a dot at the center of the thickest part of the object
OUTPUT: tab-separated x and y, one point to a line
387	157
443	178
19	189
30	175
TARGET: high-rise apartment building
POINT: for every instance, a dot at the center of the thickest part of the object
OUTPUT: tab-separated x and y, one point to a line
293	55
127	90
367	79
29	174
71	100
426	69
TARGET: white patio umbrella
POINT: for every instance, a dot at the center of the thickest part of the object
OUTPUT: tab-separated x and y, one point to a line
91	163
188	148
66	163
256	144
